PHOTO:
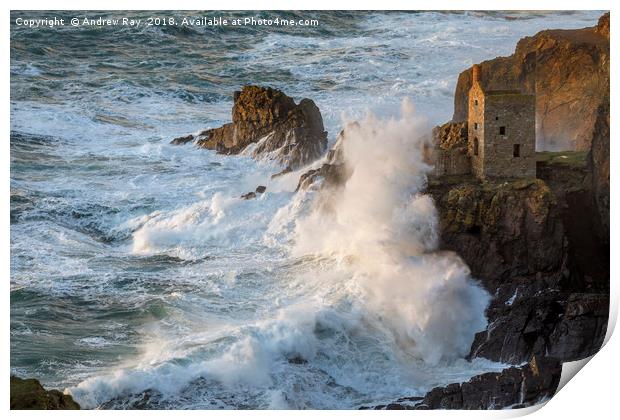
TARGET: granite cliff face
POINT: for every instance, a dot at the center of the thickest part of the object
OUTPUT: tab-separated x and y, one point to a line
534	245
277	128
502	229
567	70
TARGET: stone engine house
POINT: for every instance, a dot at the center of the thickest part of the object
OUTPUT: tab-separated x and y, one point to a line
500	140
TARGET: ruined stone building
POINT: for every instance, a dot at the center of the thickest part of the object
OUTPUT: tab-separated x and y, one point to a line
498	140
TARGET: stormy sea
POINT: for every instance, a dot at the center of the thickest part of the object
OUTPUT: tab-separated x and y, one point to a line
140	279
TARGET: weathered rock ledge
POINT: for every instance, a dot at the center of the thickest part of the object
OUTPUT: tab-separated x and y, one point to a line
277	128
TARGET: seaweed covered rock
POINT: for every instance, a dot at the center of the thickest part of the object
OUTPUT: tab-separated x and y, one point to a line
272	124
29	394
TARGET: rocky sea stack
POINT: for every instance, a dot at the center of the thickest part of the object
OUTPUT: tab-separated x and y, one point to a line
278	128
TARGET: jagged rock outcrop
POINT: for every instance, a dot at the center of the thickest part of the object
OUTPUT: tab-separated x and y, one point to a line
186	139
29	394
567	70
451	135
603	25
252	194
278	128
448	153
334	171
515	387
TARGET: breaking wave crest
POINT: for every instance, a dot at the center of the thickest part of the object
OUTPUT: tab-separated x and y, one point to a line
361	306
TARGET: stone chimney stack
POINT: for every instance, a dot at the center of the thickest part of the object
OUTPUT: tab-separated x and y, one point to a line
475	74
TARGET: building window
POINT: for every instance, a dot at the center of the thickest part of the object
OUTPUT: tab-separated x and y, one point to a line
496	118
516	150
476	102
475	126
502	131
475	146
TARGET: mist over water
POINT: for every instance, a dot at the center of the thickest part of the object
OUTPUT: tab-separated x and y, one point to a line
140	279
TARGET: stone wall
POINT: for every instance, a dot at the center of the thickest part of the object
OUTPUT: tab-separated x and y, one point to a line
475	129
451	162
517	114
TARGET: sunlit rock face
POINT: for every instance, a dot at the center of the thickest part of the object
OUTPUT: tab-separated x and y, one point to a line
567	95
266	123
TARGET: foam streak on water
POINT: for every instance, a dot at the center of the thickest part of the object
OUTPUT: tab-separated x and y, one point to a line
140	279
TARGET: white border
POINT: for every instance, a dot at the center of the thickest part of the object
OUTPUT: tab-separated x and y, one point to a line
592	395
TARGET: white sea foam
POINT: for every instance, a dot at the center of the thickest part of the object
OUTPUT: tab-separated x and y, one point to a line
373	291
387	228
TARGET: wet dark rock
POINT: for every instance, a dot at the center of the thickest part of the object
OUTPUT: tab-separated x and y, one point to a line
29	394
284	171
535	247
502	229
521	329
249	196
513	387
297	360
252	194
395	406
183	139
582	329
334	172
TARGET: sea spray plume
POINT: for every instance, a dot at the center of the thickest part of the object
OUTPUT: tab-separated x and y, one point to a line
384	229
